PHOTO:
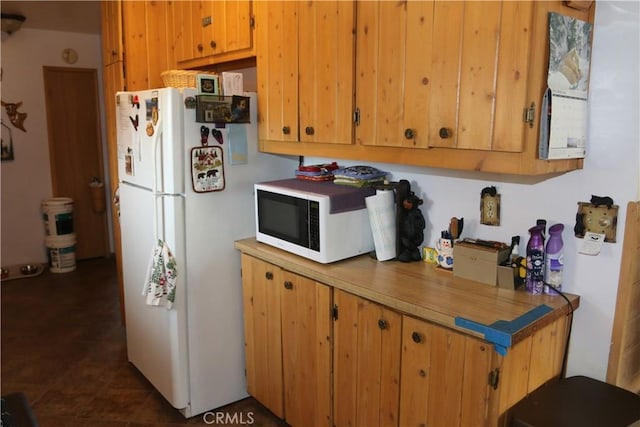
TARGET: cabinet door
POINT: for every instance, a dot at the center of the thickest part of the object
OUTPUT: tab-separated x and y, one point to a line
261	287
366	363
277	70
182	28
325	71
148	36
111	19
393	73
444	376
306	350
209	28
479	71
305	65
530	363
231	27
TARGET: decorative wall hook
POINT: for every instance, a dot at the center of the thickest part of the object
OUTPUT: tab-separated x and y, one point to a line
599	216
15	117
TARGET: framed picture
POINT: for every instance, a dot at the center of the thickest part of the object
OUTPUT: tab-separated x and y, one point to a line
208	84
222	109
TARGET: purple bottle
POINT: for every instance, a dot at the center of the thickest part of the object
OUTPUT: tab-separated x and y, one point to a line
554	260
535	261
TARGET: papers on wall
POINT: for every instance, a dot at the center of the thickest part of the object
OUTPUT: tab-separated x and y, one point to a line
232	84
592	243
563	125
238	152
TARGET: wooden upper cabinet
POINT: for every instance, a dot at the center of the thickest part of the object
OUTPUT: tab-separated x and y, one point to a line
435	83
441	74
218	31
305	71
325	71
480	60
148	37
111	23
393	73
277	69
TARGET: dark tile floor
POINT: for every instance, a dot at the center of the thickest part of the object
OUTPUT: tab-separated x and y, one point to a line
63	346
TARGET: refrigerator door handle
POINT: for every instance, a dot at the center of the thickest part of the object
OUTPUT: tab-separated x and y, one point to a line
154	188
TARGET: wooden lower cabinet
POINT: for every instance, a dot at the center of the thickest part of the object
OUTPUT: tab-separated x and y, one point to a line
306	350
262	332
287	321
319	356
452	379
366	362
444	379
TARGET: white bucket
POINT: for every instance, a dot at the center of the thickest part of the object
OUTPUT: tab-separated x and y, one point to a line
57	214
62	253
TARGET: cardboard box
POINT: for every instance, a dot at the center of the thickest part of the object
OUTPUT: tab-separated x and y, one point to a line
477	262
506	278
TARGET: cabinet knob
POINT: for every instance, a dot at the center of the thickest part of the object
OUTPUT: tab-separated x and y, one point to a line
423	373
286	130
268	275
114	53
213	44
409	133
309	130
445	133
199	47
416	337
383	324
288	285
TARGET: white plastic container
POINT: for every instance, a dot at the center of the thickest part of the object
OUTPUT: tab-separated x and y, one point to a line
57	214
61	251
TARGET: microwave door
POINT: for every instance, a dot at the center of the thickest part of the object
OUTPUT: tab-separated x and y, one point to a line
284	217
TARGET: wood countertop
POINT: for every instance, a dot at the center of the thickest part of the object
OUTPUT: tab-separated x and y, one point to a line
500	316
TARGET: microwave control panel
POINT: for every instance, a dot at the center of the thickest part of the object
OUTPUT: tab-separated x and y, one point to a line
314	226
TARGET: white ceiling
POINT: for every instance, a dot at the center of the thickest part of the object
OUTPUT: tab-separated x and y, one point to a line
70	16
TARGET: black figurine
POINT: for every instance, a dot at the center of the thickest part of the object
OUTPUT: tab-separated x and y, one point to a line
411	229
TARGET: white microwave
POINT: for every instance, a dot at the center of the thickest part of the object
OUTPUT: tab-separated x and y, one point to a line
321	221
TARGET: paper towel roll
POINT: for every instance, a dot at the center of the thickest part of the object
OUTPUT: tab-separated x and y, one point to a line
382	216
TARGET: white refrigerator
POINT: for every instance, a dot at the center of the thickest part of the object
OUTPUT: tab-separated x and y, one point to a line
193	193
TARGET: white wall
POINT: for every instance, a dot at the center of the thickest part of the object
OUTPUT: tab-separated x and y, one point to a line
610	169
26	181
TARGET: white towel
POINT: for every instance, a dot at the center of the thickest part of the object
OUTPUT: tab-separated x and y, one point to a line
160	283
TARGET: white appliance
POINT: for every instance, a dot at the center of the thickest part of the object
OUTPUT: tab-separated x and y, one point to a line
316	220
193	353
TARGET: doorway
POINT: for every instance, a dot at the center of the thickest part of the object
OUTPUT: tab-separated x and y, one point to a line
75	153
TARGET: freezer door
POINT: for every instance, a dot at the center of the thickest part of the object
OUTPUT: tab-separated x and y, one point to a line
149	135
156	336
